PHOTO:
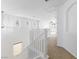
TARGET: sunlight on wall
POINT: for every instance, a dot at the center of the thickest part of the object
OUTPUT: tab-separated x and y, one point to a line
17	48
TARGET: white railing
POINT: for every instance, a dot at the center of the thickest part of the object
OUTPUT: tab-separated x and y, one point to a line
39	41
38	46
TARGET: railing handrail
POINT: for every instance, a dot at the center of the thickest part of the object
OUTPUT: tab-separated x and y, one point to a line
41	34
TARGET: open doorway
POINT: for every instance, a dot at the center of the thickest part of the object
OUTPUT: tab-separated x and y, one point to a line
52	32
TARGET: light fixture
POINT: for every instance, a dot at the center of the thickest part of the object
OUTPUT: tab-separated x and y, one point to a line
17	22
2	25
46	0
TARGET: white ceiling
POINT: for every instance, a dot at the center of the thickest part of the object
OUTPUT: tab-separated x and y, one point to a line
32	8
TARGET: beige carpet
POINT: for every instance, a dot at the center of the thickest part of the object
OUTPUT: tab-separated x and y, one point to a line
55	52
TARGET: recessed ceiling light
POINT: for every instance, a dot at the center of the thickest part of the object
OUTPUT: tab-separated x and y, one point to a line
46	0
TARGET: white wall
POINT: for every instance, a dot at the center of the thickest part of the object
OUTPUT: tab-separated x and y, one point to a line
67	30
